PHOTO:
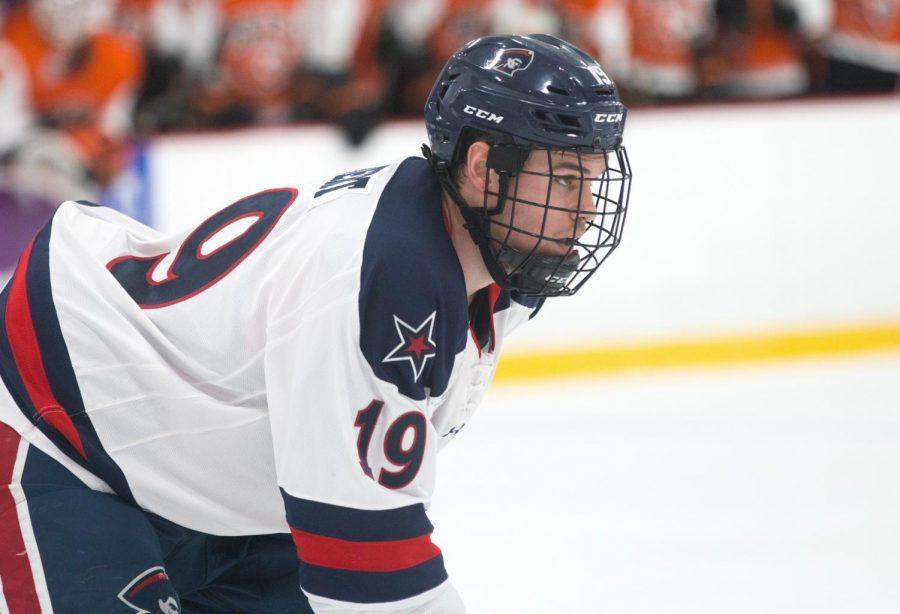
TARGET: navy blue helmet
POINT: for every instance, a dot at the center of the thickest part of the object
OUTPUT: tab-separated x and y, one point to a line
530	96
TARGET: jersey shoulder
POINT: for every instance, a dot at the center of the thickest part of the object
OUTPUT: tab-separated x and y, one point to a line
412	299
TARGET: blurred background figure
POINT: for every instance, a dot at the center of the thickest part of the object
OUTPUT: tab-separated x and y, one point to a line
663	38
81	80
651	46
278	61
20	216
14	105
67	89
863	46
179	39
255	65
757	51
343	71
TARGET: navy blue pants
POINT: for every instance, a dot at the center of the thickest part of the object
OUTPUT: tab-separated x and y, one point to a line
79	550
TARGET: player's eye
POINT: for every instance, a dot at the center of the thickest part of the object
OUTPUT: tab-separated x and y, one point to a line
566	181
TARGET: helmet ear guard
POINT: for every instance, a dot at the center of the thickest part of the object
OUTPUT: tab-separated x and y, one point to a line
505	159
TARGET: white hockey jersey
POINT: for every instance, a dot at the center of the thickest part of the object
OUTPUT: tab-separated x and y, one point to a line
288	365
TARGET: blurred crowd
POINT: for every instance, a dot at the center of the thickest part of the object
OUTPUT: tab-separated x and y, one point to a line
82	79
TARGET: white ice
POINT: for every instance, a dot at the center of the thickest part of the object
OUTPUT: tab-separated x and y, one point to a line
754	490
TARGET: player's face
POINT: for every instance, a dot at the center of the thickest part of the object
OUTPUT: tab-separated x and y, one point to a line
550	204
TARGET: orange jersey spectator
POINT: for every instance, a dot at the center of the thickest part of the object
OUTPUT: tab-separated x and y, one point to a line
343	79
257	59
179	39
14	107
187	29
663	36
81	79
757	51
650	45
281	60
600	28
357	103
867	33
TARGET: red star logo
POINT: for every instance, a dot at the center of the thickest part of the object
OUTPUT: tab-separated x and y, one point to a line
417	345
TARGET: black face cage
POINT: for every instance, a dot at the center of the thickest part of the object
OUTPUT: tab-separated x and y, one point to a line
551	247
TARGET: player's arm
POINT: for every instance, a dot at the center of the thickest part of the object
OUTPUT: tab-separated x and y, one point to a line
354	445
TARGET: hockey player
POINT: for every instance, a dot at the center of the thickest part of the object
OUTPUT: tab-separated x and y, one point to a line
213	421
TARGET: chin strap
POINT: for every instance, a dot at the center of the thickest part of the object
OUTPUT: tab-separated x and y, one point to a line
537	274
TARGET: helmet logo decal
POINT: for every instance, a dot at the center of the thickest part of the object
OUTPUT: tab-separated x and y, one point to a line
610	118
511	61
482	114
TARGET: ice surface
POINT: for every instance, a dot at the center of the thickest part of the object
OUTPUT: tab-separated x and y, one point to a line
767	490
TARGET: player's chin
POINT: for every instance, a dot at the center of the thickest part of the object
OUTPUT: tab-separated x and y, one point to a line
544	246
556	247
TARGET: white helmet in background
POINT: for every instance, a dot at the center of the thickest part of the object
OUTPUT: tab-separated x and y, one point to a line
67	22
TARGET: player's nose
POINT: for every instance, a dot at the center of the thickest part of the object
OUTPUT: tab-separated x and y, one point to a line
586	208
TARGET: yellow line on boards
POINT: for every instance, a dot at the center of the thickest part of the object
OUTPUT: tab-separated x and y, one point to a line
725	350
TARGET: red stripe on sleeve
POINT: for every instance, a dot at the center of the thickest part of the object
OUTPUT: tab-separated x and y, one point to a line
27	356
18	583
363	556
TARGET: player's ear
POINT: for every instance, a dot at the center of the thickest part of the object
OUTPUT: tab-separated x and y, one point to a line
476	164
